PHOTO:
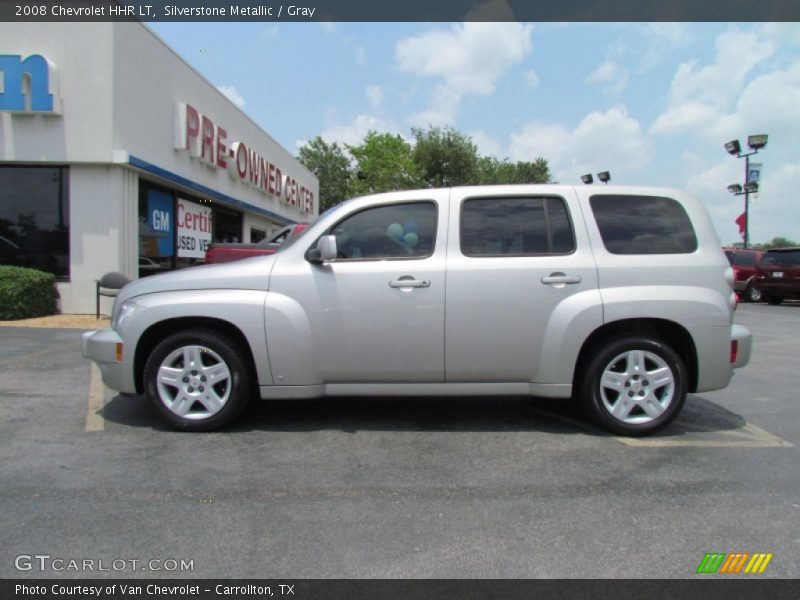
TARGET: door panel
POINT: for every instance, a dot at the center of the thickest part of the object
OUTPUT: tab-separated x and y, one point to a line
505	281
376	314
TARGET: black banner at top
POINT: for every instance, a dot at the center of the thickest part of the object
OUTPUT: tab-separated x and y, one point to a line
401	10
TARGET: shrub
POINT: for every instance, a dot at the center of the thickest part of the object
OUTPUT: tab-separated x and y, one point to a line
26	293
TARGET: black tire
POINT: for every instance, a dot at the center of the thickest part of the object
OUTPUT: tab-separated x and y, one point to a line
752	294
774	300
598	401
213	348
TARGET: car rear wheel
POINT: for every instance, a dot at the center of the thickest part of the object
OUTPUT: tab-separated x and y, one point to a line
633	385
752	294
198	380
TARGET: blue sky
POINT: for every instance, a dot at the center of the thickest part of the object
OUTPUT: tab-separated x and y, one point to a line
653	103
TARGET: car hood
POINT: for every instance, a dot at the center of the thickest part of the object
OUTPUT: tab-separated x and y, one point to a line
248	274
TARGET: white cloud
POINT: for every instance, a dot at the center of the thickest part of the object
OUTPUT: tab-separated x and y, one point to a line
353	133
468	58
611	75
610	140
712	99
487	145
374	95
661	39
441	111
232	94
328	27
271	31
532	78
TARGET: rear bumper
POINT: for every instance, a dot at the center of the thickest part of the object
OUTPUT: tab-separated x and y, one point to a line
744	339
100	346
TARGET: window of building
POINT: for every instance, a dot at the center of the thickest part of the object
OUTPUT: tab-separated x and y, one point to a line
34	218
176	229
156	229
515	227
256	235
392	231
227	225
643	225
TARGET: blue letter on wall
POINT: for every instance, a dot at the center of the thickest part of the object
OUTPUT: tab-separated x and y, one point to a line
37	69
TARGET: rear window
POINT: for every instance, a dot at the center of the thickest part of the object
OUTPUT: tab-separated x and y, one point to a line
643	225
791	258
742	259
515	227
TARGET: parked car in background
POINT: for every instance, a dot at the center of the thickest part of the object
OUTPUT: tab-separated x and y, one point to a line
778	275
228	252
619	297
147	266
744	272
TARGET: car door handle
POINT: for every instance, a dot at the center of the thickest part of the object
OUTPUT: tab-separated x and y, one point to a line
561	278
410	283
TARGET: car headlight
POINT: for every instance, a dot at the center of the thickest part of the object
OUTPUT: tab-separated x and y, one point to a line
124	313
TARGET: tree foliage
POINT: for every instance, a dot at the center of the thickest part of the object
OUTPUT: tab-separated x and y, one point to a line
382	162
445	157
331	166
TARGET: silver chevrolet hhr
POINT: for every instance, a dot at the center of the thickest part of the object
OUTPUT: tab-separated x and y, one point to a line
618	297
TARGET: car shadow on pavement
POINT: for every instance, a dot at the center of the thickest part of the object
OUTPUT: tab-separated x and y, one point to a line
459	414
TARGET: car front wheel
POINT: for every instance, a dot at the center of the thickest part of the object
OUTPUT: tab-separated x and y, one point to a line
633	385
198	380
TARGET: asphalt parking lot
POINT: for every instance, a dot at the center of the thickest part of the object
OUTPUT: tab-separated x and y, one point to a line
395	488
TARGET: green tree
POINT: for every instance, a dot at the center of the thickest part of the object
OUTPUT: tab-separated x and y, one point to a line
777	242
331	166
445	157
494	171
383	162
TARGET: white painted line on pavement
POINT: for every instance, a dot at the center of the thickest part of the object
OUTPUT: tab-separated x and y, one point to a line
94	416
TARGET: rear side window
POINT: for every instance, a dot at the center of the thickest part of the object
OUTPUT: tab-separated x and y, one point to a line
745	259
515	227
643	225
791	258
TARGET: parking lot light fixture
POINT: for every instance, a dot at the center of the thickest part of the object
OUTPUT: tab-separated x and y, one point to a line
604	176
733	147
587	179
756	142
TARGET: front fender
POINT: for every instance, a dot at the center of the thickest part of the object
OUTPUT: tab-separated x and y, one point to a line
243	309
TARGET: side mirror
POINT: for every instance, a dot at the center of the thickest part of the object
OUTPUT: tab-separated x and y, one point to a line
325	250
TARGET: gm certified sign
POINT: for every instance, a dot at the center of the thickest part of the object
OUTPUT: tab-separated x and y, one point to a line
29	85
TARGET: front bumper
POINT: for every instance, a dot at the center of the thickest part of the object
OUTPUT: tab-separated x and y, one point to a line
742	335
100	346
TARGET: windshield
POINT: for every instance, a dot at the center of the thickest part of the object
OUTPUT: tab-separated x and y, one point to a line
331	210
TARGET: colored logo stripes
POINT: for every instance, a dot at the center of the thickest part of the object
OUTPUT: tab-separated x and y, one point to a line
736	562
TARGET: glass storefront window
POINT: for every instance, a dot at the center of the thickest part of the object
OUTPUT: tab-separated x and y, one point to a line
175	229
34	218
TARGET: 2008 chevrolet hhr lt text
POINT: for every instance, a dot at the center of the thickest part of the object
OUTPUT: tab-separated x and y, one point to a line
619	297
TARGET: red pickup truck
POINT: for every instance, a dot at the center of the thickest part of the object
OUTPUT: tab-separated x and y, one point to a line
221	253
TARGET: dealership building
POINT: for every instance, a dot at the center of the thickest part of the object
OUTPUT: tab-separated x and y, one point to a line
117	155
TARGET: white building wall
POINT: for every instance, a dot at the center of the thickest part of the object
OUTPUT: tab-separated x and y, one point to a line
149	81
101	232
118	85
83	57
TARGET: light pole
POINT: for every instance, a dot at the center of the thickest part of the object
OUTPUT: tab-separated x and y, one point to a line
756	143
